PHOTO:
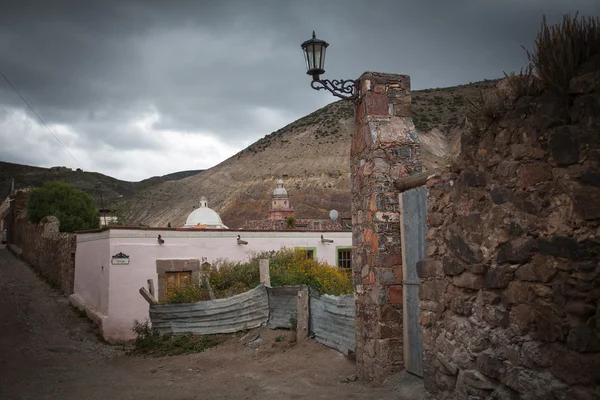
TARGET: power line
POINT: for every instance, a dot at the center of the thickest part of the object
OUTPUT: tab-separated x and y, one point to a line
40	118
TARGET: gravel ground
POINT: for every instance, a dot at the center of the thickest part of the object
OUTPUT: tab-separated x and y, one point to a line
49	351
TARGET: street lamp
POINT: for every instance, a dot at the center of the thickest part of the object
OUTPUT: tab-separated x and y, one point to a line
314	55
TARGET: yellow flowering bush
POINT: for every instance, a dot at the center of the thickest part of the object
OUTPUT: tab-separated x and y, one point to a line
287	267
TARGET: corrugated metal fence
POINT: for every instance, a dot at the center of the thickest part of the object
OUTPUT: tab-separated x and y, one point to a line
332	321
331	317
233	314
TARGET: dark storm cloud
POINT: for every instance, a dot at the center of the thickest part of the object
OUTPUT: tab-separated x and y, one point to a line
233	70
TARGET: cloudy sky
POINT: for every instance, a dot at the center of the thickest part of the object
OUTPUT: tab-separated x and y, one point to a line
136	88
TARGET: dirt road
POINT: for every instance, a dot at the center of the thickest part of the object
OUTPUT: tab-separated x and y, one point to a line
49	351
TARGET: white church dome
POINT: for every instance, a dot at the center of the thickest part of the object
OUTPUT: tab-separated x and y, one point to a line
204	216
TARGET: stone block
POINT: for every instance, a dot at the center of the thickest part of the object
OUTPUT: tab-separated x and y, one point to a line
517	292
521	318
394	294
428	268
458	245
563	145
491	366
507	169
499	277
534	173
475	379
453	266
468	280
500	195
585	202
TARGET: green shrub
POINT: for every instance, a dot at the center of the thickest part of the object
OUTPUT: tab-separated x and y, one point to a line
74	209
151	342
560	49
288	267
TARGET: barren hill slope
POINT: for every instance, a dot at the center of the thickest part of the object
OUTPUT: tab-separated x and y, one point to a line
93	183
312	155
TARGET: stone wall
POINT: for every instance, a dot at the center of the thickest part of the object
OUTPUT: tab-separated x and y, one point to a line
510	293
384	148
49	252
301	224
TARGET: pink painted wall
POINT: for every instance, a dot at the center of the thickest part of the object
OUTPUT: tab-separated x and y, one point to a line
126	304
92	272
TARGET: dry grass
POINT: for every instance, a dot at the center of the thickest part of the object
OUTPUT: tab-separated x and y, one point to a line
525	83
489	107
560	49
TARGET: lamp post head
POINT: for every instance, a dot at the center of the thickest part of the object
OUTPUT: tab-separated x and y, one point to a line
314	54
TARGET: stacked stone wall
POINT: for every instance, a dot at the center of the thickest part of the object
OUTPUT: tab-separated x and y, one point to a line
384	148
510	292
49	252
301	224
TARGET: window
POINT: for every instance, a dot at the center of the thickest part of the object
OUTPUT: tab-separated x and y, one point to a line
345	258
177	280
309	253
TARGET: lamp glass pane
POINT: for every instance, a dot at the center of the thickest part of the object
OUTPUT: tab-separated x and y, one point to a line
318	48
323	49
311	56
306	60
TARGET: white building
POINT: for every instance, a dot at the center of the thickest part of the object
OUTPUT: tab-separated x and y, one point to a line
204	217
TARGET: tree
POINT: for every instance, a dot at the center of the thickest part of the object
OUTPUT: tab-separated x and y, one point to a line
291	222
74	209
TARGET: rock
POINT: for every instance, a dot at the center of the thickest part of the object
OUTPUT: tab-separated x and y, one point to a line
447	367
585	110
521	318
580	308
565	247
585	201
500	195
542	291
531	174
153	370
473	179
549	325
468	280
445	382
499	277
563	145
526	273
428	268
517	292
535	355
589	82
516	251
476	379
491	298
544	268
591	177
507	169
583	339
452	266
582	393
576	368
551	111
459	247
491	366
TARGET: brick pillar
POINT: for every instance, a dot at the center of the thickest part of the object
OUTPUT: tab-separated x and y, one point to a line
384	148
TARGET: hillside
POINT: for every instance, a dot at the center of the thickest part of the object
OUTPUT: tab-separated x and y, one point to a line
93	183
312	156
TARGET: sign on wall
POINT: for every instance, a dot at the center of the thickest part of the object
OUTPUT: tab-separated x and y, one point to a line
120	259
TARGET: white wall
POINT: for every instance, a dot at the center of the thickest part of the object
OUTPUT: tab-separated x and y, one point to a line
125	304
92	275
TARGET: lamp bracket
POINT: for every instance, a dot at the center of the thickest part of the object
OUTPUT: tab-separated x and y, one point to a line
346	89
